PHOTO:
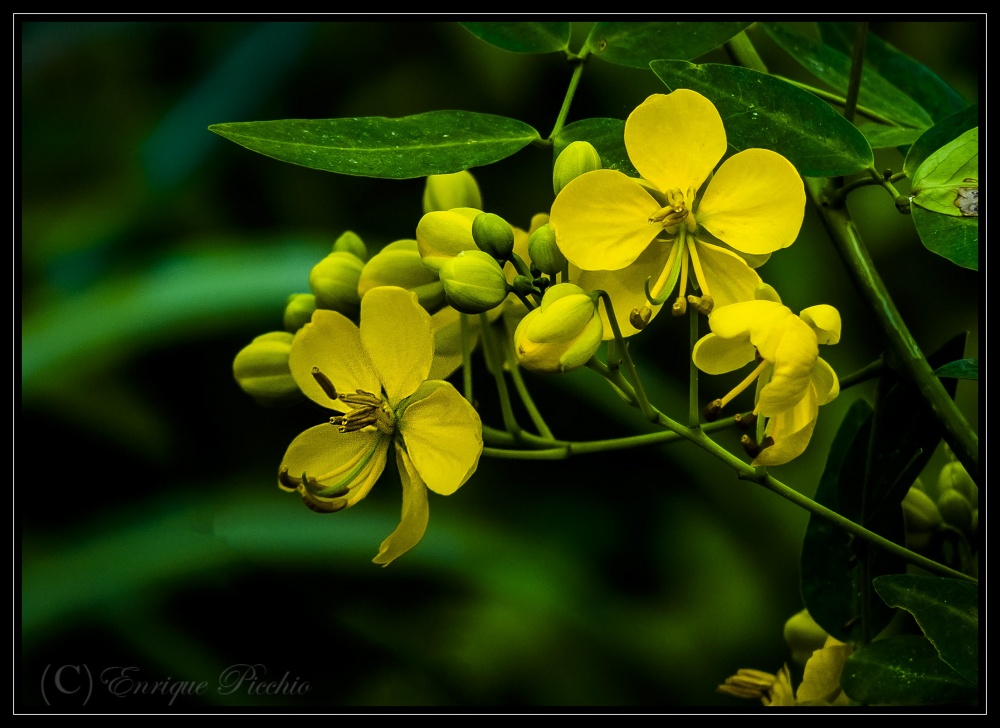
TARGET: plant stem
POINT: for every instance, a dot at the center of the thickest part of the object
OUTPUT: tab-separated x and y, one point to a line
522	392
574	81
846	237
869	371
694	411
463	319
494	361
857	66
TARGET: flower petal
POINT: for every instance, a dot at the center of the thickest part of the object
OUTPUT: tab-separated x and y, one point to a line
601	220
821	678
444	234
737	320
826	382
413	521
715	355
397	334
675	140
443	436
755	202
794	357
341	461
626	286
791	429
730	279
332	344
824	320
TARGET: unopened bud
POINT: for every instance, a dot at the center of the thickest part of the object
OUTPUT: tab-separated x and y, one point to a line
576	159
261	370
399	264
803	636
544	252
334	281
955	509
448	191
560	335
921	517
954	476
351	242
299	311
442	235
473	282
493	235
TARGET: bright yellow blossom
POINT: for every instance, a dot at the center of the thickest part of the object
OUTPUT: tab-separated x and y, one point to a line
374	378
626	233
793	381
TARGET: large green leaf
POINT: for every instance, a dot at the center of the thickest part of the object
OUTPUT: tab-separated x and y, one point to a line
833	67
947	181
880	136
759	110
636	44
903	670
522	37
947	610
438	142
955	238
909	75
938	135
608	138
960	369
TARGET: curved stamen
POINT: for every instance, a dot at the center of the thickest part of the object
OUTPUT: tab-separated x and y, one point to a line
324	382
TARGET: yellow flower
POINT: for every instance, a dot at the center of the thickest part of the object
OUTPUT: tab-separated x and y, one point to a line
629	231
374	378
793	380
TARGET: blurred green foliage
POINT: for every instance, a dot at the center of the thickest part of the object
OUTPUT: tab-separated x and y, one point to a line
152	250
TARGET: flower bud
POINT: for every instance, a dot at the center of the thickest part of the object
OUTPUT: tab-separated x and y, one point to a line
443	235
544	252
955	509
803	636
448	191
493	235
351	243
473	282
562	334
261	370
334	281
576	159
921	517
954	476
399	264
299	311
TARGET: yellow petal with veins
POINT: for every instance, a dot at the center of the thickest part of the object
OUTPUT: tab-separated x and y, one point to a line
331	343
675	140
755	202
396	332
791	429
714	355
415	513
730	279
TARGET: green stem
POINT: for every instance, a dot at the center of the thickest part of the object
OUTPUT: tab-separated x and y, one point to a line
857	66
574	81
742	50
846	237
494	361
463	319
633	375
869	371
694	411
522	392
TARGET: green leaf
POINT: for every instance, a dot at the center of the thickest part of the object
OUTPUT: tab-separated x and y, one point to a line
947	181
833	67
908	75
947	610
608	138
939	135
833	582
880	136
636	44
762	111
438	142
903	670
955	238
960	369
522	37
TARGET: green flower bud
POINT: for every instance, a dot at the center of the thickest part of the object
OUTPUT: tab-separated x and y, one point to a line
561	334
299	311
493	235
921	516
803	636
544	252
261	370
576	159
351	243
444	234
955	509
334	280
448	191
399	264
954	476
473	282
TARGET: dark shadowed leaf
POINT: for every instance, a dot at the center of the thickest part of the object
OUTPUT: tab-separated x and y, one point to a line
960	369
939	135
880	136
608	138
636	44
438	142
955	238
522	37
762	111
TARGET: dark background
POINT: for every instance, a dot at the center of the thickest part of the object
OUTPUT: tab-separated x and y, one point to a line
152	533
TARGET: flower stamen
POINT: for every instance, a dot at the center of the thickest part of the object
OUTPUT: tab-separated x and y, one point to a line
324	382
